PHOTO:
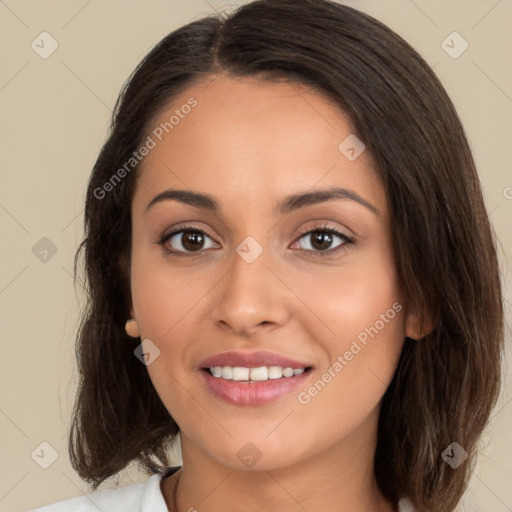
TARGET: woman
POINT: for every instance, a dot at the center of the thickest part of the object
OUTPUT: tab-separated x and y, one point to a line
288	257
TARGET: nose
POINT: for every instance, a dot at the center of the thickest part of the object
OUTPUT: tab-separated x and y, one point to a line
252	297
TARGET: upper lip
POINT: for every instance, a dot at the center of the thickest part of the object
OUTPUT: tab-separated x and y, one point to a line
251	360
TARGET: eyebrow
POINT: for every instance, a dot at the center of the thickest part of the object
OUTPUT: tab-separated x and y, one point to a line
287	205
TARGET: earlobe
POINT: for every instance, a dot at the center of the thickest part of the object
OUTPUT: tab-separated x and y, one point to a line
417	327
132	328
412	326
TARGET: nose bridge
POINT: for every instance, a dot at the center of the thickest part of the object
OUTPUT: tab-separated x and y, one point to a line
250	294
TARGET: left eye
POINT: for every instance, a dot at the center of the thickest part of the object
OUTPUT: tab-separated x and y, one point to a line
321	240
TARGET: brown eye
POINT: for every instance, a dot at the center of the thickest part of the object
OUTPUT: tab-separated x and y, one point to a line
321	240
186	240
192	240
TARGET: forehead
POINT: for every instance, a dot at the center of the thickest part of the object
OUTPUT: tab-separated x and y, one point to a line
254	139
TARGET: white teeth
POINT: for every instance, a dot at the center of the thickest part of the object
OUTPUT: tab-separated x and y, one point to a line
227	372
287	372
240	373
275	372
259	373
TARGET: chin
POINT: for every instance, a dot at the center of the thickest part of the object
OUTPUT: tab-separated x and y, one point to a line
255	453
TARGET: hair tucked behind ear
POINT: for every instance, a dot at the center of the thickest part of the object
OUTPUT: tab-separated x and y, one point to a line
447	382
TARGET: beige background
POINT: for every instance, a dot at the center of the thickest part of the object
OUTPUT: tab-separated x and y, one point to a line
55	114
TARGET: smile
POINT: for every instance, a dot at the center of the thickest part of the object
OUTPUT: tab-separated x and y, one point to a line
250	387
241	373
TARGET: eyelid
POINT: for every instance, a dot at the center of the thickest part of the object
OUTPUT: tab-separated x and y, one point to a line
324	226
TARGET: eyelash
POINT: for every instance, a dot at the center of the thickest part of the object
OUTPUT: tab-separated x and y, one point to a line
322	229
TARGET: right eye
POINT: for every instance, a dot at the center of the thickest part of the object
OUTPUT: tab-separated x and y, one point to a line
184	241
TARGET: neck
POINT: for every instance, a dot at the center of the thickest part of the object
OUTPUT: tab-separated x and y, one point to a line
341	479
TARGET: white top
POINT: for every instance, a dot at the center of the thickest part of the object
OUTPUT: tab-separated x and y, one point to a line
143	497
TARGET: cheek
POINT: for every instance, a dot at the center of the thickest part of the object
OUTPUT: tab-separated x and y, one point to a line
164	300
359	301
167	299
164	293
359	323
361	295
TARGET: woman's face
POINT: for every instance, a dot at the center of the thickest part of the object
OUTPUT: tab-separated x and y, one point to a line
254	281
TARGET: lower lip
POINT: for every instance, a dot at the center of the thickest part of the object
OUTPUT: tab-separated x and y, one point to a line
252	393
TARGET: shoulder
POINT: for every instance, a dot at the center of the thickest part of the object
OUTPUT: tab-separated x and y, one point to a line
139	497
126	498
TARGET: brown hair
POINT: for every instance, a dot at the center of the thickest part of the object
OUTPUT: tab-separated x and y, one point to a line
446	383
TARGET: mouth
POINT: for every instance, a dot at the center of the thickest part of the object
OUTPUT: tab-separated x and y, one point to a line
252	378
253	386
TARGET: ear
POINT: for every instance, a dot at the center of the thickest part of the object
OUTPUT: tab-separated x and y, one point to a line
132	328
418	326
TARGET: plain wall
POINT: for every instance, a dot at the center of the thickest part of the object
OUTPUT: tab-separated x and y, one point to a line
55	115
